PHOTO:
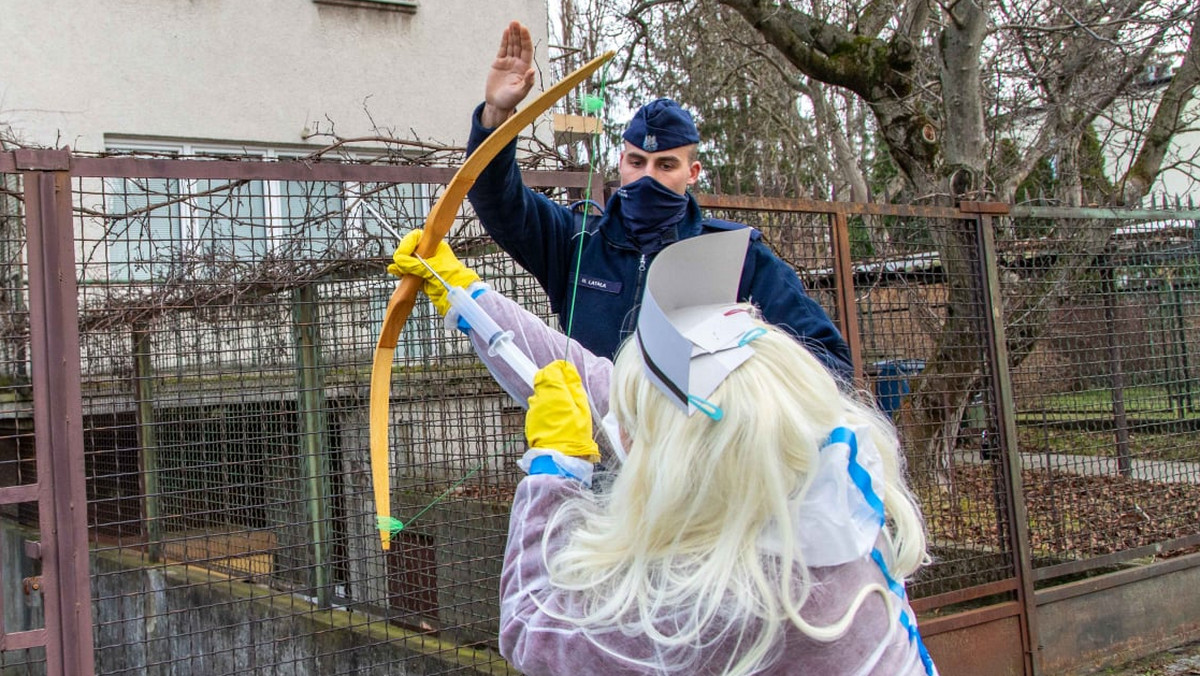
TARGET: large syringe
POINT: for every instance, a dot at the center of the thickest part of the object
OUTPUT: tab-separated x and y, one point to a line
500	342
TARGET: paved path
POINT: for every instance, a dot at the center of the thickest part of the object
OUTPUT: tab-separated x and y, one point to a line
1159	471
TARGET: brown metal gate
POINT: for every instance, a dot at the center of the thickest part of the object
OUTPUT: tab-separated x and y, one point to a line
57	482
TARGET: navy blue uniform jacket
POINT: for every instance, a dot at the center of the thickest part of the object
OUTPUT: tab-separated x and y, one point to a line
540	235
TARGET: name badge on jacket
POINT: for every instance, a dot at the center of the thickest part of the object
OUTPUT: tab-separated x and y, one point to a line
600	284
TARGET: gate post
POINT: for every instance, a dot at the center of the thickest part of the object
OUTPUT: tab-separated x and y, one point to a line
58	410
1006	423
310	405
847	306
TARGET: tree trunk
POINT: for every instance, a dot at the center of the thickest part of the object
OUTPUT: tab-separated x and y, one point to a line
930	421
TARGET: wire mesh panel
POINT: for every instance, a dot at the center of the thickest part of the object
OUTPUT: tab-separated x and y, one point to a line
922	307
20	598
227	331
1104	315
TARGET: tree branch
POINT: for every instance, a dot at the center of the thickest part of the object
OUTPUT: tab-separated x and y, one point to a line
1069	114
1165	123
964	141
817	49
875	17
913	19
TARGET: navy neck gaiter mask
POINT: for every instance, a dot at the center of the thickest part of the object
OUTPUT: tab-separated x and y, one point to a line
651	210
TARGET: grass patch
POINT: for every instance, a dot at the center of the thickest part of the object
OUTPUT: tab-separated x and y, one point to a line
1178	446
1154	402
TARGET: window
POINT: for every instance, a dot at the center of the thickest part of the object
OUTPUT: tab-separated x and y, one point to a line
406	6
192	232
144	230
163	228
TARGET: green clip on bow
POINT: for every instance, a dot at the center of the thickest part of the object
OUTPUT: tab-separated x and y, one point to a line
404	297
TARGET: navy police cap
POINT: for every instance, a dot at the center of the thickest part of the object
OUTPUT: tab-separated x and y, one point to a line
661	125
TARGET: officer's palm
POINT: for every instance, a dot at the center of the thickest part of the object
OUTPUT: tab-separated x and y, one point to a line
508	83
511	76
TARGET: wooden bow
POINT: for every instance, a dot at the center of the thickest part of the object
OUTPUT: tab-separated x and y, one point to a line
437	225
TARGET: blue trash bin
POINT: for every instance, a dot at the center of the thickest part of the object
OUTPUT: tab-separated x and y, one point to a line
891	381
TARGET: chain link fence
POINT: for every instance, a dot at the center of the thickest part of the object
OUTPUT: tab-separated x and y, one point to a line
228	313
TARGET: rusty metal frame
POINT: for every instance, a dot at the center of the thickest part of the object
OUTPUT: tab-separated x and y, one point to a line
60	490
970	618
1002	394
292	170
806	206
1123	577
847	308
1101	213
1114	559
57	414
930	603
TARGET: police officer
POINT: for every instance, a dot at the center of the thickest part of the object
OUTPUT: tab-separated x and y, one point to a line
650	210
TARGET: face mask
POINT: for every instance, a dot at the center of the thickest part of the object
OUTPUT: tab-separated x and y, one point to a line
651	210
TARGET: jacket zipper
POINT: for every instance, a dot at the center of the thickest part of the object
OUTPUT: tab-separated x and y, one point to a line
637	298
641	275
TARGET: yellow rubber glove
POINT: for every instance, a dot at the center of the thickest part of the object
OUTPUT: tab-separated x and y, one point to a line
443	261
559	418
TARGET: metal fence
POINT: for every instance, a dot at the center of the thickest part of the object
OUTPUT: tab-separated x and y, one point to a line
1037	361
1040	365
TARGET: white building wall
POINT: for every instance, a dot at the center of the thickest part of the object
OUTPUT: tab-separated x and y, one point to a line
73	72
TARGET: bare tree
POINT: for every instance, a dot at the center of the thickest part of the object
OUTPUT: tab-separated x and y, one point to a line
13	318
967	98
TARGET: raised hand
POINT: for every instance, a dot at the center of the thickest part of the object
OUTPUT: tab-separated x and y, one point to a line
511	76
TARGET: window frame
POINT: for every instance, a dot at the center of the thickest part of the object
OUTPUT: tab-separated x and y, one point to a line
402	6
356	210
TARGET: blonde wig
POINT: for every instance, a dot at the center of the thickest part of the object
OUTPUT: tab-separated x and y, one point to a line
673	551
